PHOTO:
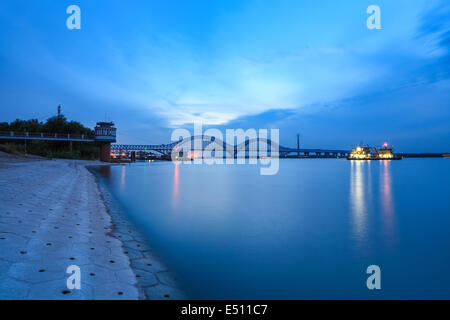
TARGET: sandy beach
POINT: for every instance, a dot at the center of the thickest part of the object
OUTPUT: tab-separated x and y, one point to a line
53	215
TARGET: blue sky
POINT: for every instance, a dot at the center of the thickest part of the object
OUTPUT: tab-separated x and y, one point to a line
301	66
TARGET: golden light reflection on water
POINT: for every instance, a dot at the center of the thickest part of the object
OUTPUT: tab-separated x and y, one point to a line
358	199
387	200
364	210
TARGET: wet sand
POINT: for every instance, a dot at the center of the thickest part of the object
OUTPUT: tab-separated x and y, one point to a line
53	215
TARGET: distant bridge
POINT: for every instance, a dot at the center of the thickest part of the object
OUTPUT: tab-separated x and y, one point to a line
247	146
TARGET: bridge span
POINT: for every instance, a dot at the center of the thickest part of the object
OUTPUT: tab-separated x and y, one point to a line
247	146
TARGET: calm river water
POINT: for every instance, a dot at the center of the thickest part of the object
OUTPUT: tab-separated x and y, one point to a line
309	231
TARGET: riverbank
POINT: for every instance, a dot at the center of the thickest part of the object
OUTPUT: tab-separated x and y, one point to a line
53	215
154	279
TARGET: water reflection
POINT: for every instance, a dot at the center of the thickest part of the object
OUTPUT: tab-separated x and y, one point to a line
176	178
233	229
365	211
358	200
386	199
105	172
122	178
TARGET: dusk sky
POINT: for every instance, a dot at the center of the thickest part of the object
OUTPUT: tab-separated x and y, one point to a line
301	66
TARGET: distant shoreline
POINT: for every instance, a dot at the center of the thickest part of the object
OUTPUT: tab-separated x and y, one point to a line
425	155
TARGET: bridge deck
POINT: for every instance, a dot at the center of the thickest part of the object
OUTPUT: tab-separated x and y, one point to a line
162	147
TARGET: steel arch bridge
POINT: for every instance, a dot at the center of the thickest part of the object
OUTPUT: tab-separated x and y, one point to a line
250	145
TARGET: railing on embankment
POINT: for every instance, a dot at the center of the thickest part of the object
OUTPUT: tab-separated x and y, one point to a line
12	135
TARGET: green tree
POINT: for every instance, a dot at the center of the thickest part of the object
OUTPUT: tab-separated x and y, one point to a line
56	149
61	125
26	125
4	126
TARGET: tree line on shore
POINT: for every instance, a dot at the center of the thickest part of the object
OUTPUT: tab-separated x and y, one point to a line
49	149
